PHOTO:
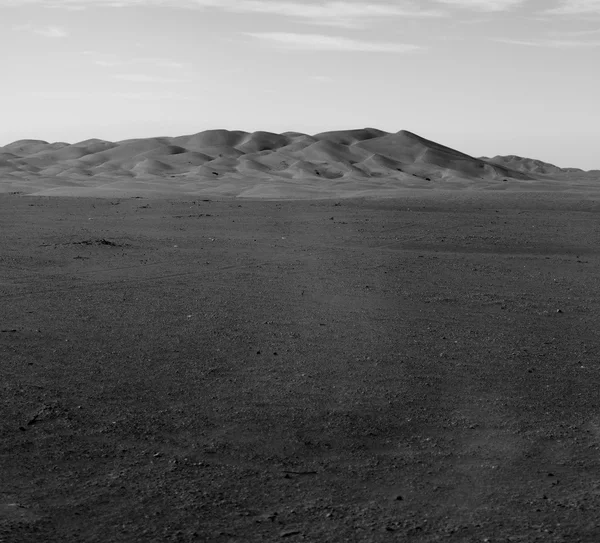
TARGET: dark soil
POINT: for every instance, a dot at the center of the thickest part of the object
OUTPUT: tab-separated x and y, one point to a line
418	370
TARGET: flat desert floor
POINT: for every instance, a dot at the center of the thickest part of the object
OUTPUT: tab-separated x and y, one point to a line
423	368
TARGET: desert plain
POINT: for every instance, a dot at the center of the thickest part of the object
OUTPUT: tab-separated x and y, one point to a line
353	336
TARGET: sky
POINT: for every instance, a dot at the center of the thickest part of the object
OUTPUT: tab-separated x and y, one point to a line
487	77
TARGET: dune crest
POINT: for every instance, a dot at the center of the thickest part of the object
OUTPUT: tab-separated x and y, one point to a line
343	163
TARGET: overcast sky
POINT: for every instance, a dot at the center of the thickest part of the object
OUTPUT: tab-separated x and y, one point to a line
485	76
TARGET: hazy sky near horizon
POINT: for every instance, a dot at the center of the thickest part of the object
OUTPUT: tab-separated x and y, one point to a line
486	77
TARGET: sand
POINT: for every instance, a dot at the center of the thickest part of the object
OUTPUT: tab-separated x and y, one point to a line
339	164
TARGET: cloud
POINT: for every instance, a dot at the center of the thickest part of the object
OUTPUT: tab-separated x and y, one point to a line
45	31
343	13
552	43
484	5
576	7
145	78
111	61
51	32
575	33
108	63
151	96
86	95
333	12
319	42
161	62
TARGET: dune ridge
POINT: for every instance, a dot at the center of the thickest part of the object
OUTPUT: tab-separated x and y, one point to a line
343	163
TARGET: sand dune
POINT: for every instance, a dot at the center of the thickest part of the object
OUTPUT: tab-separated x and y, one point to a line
264	164
532	166
349	137
262	141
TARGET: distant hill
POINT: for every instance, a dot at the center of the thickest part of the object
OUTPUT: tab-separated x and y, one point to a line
232	162
531	166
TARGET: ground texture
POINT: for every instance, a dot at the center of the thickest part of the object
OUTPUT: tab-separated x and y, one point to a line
417	369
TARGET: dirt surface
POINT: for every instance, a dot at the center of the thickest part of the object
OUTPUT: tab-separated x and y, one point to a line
417	369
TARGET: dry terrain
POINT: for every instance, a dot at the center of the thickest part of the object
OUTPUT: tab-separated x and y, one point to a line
201	368
338	164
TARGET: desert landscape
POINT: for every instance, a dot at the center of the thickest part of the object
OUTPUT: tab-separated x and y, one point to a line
337	164
349	336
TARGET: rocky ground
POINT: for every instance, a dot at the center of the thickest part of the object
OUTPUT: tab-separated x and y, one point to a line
418	369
